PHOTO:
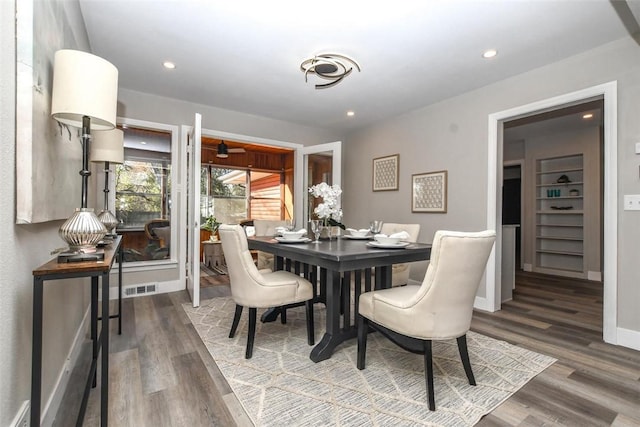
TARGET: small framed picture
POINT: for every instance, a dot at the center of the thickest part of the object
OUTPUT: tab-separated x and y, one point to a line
429	192
385	173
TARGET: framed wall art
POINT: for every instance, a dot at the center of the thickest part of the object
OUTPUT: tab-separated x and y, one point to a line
429	192
385	173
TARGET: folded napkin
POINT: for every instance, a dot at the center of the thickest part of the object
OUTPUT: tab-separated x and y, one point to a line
401	235
362	230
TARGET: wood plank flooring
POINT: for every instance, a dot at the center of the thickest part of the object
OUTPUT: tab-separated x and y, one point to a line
162	375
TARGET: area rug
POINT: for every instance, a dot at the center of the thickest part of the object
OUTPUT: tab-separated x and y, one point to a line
281	386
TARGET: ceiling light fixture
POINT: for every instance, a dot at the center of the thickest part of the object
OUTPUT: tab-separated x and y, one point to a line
223	151
169	65
329	66
351	113
489	53
587	116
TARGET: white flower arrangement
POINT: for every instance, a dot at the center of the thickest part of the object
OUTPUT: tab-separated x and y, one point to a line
329	209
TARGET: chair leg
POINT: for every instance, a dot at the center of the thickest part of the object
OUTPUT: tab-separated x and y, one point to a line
363	328
428	373
252	332
311	340
283	315
236	320
464	356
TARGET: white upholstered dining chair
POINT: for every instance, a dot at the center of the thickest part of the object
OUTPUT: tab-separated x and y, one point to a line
400	272
260	289
265	227
439	309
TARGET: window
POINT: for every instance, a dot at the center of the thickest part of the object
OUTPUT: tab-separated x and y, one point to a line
233	195
143	194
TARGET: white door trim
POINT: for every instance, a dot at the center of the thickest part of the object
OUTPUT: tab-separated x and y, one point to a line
301	175
609	90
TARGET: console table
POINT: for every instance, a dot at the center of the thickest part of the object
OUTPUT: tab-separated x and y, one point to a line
53	270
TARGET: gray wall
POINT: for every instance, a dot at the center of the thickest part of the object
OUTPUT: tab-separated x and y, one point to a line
25	247
142	106
453	135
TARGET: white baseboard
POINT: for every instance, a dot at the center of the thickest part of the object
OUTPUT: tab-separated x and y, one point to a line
527	267
53	403
482	303
23	417
596	276
628	338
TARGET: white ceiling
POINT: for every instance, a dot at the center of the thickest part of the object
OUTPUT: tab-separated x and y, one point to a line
245	55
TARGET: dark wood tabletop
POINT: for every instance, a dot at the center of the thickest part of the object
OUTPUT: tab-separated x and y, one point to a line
341	254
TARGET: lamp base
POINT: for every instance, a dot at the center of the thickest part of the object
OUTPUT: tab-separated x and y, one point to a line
78	256
82	231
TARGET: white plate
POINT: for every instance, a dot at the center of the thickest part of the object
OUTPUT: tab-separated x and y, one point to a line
348	236
398	245
283	240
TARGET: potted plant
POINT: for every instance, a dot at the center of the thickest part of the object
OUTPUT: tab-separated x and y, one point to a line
211	224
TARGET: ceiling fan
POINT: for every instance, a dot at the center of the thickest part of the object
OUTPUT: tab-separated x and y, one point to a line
223	150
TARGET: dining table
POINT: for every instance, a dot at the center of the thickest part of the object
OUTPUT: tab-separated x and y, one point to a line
340	269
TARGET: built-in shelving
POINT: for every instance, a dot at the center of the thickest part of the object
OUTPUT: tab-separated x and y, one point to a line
560	215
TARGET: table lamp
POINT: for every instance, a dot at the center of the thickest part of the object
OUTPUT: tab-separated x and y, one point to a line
85	93
108	147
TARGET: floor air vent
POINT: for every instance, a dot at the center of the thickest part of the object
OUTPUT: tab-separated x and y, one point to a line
135	290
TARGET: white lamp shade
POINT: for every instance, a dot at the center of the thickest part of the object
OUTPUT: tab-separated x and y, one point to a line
84	85
107	146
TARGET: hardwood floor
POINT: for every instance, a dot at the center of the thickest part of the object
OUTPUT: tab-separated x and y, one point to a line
162	375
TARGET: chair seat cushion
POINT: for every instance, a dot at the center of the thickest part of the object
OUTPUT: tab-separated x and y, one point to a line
281	288
392	308
372	302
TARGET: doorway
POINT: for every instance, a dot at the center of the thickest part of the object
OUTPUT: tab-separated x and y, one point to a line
607	92
512	205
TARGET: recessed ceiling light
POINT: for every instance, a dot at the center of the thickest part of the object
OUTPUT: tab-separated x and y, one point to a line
489	53
169	65
143	142
351	113
587	116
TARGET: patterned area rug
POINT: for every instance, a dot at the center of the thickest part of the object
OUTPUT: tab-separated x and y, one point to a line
281	386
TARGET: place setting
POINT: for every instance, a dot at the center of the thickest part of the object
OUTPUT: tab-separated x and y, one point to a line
289	235
392	241
364	233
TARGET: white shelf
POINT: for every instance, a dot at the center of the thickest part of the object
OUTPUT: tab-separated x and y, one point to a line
558	184
573	239
548	251
560	171
560	225
560	212
559	246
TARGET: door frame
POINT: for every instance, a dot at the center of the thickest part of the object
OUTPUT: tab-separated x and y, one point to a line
301	175
192	255
607	91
